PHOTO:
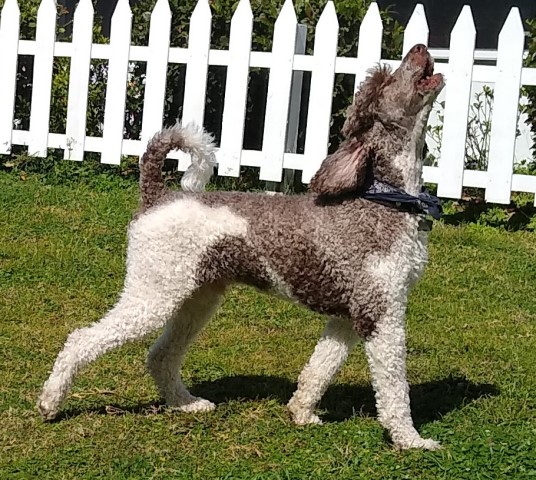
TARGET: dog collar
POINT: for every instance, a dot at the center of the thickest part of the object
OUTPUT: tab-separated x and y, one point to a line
424	203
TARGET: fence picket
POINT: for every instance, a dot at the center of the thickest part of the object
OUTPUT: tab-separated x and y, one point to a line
236	90
291	144
458	96
417	29
196	72
505	109
78	81
9	44
369	48
277	106
116	91
156	76
197	69
323	76
45	37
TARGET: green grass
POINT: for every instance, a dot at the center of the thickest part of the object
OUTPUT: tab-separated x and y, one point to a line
472	362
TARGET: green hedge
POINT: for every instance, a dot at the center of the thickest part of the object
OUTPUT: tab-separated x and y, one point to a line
350	13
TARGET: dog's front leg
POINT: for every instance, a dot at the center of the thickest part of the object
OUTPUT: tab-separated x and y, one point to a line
330	353
386	353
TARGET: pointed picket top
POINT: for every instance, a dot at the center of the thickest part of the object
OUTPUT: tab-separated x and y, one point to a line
328	19
243	11
416	30
121	13
457	100
370	35
200	22
160	26
46	19
121	21
465	24
512	28
161	9
234	110
505	109
287	15
326	28
84	7
197	65
45	8
201	11
369	48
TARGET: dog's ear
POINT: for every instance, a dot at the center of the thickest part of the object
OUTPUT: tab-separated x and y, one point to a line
360	114
342	172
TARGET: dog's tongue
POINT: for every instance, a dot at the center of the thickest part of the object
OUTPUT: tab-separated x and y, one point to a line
430	82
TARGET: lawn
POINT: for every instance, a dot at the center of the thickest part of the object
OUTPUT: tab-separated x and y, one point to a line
471	365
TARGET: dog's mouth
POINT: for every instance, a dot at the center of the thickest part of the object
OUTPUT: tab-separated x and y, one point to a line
429	82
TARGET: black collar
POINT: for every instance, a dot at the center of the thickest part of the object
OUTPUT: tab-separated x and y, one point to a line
424	203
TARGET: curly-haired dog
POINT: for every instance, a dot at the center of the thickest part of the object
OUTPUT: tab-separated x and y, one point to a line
334	251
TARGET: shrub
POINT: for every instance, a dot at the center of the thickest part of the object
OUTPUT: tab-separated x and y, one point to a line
350	13
478	131
530	61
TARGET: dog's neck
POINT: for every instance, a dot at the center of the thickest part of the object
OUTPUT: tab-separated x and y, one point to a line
410	160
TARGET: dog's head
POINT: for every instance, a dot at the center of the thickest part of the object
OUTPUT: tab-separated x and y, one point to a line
390	105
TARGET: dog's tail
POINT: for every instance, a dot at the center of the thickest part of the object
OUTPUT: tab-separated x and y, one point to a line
189	138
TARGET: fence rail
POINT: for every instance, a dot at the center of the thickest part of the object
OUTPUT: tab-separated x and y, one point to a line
287	59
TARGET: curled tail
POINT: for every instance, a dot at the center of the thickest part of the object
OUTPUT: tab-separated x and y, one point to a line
189	138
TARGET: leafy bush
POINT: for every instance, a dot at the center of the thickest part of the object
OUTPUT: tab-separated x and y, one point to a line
478	131
530	61
478	138
350	13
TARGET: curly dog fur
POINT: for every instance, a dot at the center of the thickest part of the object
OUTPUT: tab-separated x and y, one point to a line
331	250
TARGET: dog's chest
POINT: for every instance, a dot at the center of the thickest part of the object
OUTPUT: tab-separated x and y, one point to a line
419	256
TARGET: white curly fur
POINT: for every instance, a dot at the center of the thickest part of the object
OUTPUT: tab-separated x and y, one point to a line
175	234
201	147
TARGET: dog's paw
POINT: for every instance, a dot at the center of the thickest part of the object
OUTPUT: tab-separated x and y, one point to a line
196	405
419	442
305	418
47	409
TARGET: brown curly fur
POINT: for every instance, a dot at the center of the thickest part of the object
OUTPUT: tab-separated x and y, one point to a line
360	115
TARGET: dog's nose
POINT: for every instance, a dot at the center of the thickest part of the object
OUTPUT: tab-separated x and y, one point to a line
419	49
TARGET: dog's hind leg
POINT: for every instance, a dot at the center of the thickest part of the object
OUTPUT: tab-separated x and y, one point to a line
137	313
167	354
330	354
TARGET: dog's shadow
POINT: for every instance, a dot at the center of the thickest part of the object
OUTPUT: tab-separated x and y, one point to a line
429	400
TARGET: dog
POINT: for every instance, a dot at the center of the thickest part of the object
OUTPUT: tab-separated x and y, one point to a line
337	250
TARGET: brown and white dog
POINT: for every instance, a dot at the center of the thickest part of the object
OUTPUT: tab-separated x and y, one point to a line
332	250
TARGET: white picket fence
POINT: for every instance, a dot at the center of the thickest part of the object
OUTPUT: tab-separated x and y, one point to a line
285	60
